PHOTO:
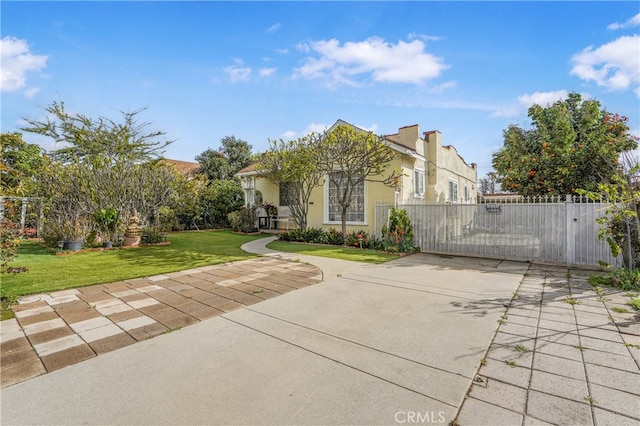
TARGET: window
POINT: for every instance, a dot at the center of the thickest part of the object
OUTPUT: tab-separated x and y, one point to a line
453	191
418	183
287	195
467	194
355	212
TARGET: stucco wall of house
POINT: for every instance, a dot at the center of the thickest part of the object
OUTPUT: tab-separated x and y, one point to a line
444	164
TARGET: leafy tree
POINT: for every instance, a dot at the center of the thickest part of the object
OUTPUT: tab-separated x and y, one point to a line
85	137
20	165
359	155
219	199
293	165
227	160
621	223
570	147
237	152
214	165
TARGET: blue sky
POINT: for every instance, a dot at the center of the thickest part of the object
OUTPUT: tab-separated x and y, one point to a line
270	70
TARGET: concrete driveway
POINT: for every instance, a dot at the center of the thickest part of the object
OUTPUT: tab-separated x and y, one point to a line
394	343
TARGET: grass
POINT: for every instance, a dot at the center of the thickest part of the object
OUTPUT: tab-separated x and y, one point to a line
521	348
334	252
620	310
634	303
47	272
572	301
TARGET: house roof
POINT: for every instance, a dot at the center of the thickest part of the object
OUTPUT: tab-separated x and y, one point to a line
250	170
183	167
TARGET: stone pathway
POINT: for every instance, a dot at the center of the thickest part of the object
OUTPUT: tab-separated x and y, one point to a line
562	355
55	330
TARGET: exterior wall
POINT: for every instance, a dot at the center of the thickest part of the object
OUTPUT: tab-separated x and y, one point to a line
444	165
440	164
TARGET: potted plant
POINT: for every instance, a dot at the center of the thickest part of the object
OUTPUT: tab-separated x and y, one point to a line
73	234
107	222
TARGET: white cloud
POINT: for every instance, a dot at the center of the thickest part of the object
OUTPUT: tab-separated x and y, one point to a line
404	62
17	61
289	134
282	51
615	65
525	101
31	92
238	72
267	72
444	86
542	98
275	27
631	22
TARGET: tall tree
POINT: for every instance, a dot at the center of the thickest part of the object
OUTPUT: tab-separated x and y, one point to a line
292	165
223	163
20	165
488	184
214	165
85	137
570	147
237	152
350	156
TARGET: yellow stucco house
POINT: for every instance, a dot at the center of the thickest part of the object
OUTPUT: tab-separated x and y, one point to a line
431	174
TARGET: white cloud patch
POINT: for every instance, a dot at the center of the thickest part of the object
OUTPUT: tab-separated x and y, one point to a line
524	102
267	72
444	86
282	51
542	98
615	65
275	27
17	61
631	22
239	72
404	62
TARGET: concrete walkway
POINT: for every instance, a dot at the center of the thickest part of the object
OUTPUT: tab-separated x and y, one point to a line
410	341
53	331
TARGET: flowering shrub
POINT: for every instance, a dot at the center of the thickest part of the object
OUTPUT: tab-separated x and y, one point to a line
358	239
398	236
9	242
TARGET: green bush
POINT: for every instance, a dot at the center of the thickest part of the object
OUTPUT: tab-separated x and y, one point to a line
314	235
244	220
398	236
622	278
359	239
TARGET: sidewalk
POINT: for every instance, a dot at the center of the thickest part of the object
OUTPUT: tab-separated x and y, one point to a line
562	355
52	331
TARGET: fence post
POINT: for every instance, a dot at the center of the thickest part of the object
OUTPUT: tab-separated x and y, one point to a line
570	230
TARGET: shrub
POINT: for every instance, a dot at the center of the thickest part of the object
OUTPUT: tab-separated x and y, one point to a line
398	236
334	237
622	278
10	235
244	220
314	235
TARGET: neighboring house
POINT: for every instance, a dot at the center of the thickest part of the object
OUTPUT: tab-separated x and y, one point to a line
185	168
432	173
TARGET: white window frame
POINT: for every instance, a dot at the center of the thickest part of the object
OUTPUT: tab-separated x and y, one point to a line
337	220
418	183
467	194
453	191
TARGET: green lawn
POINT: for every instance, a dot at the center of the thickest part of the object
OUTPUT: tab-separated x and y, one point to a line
186	250
334	252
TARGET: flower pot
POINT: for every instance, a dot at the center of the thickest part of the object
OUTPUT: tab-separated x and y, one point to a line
72	245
